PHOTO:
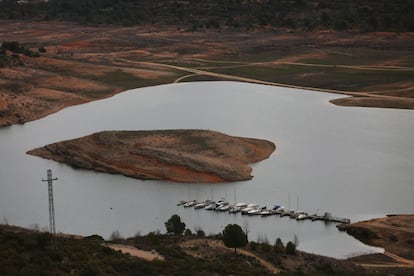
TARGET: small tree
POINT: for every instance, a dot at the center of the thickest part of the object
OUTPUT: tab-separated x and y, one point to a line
188	232
279	247
175	225
290	248
233	237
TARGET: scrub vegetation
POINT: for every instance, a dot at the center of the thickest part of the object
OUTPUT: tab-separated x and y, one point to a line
367	15
26	252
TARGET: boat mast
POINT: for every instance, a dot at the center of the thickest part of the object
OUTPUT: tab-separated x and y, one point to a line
297	202
289	199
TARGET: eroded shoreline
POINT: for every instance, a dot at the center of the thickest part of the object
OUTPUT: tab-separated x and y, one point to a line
77	69
171	155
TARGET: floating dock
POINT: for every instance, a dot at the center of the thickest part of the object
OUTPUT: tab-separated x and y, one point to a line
254	210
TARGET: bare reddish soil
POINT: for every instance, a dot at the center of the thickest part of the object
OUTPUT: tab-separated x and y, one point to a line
85	63
172	155
394	233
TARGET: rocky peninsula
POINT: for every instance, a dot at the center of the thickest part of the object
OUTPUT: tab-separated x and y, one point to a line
170	155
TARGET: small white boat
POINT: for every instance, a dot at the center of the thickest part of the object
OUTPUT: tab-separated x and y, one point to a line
254	212
181	202
253	205
295	214
244	211
224	208
211	206
200	205
264	213
190	203
302	216
241	205
234	209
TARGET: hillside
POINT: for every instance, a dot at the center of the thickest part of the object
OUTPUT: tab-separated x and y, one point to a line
26	252
394	233
172	155
80	63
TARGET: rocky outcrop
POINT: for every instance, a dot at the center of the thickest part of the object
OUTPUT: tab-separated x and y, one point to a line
171	155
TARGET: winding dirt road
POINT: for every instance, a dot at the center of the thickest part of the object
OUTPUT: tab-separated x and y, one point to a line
195	72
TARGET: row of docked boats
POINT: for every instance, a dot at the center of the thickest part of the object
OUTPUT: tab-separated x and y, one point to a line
253	209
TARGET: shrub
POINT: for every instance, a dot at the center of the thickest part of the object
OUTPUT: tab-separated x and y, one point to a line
266	247
290	248
188	232
200	232
279	247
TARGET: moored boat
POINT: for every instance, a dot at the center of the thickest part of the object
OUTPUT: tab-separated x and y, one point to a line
254	212
265	213
181	202
234	209
302	216
200	205
190	203
224	207
211	206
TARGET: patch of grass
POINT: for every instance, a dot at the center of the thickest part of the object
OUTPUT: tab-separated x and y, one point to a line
121	79
320	77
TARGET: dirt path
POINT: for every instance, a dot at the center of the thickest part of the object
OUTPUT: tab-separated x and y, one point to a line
133	251
399	262
355	67
399	259
244	79
216	243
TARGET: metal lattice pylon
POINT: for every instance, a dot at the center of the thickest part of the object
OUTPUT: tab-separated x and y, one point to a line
49	180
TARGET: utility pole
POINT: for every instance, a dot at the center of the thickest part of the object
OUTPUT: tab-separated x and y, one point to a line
52	227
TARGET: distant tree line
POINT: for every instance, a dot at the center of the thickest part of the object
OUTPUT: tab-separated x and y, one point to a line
362	15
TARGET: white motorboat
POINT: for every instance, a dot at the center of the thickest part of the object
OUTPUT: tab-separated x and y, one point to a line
211	206
190	203
200	205
264	213
181	202
224	207
302	216
244	211
234	209
254	212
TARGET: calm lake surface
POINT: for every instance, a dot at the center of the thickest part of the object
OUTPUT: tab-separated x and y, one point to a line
353	162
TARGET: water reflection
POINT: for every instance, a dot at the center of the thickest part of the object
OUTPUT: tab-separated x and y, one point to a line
340	160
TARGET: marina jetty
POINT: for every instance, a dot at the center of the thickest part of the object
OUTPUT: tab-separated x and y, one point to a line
253	209
179	155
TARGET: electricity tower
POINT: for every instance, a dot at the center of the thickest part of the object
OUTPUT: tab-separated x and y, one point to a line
49	180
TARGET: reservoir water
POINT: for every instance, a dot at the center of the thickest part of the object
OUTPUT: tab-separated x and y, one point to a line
353	162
